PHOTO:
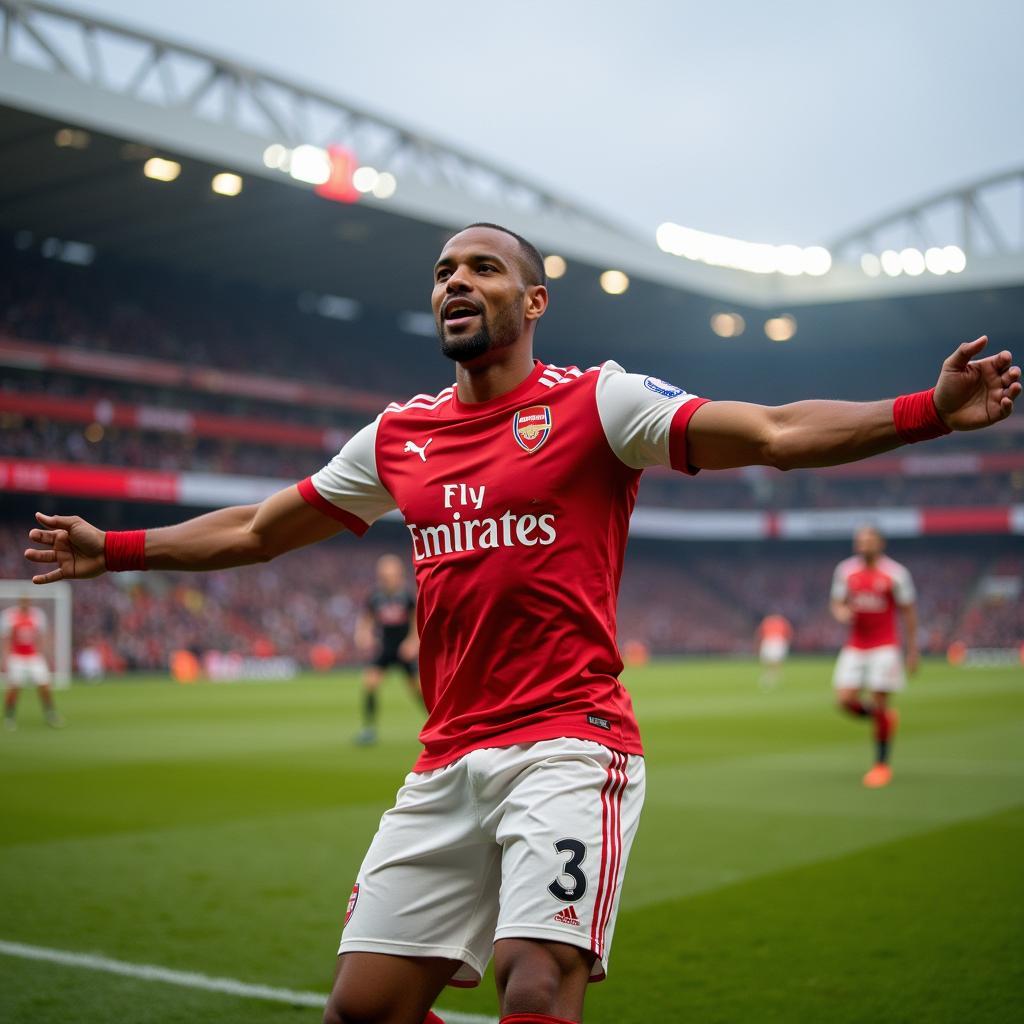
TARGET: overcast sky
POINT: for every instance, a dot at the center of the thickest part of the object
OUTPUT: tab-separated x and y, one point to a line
780	122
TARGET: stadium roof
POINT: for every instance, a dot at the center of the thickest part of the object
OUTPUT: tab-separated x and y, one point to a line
138	94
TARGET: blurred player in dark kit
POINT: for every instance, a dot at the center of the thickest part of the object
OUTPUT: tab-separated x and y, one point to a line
386	633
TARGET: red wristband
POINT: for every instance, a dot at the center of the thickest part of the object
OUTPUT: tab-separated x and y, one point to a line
916	418
124	550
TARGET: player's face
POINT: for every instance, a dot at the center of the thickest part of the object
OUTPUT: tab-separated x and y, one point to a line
390	574
868	543
479	294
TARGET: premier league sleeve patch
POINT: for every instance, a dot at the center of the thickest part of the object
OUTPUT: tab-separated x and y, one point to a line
662	387
531	427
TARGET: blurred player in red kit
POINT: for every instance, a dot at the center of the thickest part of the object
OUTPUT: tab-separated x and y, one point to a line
774	635
386	631
24	634
868	591
510	836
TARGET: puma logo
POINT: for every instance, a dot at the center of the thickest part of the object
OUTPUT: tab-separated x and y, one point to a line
411	447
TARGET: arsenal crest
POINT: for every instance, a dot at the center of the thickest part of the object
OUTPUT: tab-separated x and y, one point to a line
531	427
352	902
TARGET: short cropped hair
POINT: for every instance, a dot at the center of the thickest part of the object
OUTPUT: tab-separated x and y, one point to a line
531	263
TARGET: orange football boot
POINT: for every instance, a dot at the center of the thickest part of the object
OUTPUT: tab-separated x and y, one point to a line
879	776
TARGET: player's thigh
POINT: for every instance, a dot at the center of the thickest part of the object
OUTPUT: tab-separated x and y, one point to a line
566	829
428	886
21	670
885	673
373	676
851	669
386	989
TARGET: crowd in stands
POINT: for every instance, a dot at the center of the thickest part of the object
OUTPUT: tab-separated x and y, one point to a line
685	600
681	598
161	316
94	389
35	438
773	490
239	328
39	438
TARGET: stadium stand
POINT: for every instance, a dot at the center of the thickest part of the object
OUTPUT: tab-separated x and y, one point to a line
177	383
688	599
36	437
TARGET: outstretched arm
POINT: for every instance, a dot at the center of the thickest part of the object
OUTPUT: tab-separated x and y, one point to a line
841	612
73	549
968	395
909	614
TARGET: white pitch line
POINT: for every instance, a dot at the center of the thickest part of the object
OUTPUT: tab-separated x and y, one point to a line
192	979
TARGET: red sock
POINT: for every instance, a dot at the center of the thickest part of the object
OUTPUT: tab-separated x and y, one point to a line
432	1018
883	724
533	1018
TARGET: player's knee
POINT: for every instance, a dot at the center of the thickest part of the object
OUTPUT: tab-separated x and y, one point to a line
356	1008
534	977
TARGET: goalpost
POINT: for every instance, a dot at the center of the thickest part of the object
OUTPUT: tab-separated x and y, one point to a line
55	601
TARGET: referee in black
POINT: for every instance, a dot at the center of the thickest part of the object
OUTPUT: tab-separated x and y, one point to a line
386	635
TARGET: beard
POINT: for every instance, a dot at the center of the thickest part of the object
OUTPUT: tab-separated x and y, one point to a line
501	332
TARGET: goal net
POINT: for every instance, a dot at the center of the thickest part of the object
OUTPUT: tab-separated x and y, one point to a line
54	600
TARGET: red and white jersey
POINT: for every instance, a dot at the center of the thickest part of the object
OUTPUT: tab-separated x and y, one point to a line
25	627
873	594
518	510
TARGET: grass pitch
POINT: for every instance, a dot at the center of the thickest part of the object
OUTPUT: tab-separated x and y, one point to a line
218	828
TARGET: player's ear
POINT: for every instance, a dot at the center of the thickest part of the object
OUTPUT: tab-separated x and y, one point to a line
536	301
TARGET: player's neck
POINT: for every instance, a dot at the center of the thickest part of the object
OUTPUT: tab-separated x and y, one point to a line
498	376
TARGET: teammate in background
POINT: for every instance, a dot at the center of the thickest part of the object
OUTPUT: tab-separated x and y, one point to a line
511	835
24	634
774	635
867	590
387	627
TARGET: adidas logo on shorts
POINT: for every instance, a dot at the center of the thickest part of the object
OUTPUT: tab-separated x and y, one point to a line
568	916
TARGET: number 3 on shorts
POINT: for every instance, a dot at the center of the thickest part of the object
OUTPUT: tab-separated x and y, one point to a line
577	852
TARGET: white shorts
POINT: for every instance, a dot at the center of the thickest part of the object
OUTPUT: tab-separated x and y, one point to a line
528	841
877	668
23	669
774	650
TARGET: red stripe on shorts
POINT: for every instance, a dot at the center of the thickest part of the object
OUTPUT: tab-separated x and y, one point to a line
616	844
611	849
604	856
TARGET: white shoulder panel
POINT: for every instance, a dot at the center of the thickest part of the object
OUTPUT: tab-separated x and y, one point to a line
840	578
902	582
350	479
636	413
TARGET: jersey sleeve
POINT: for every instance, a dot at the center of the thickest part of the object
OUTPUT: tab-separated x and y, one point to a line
645	419
840	589
348	488
903	592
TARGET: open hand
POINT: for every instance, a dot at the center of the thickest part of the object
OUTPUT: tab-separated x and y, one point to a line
73	544
974	394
